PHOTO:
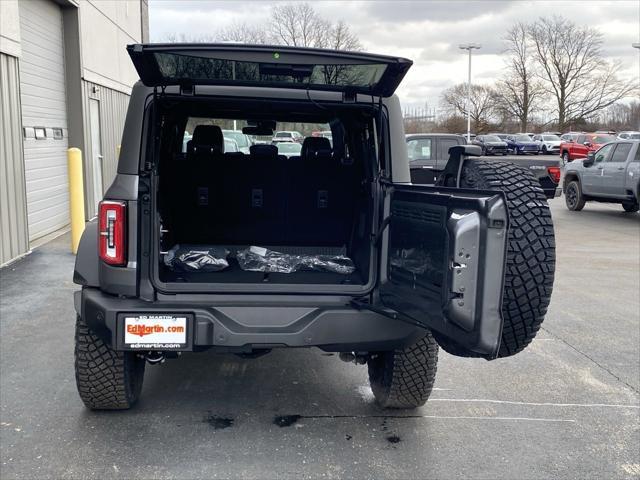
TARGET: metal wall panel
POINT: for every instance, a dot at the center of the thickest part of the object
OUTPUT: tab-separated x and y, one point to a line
14	238
42	94
113	110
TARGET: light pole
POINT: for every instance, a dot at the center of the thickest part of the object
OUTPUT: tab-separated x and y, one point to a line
469	47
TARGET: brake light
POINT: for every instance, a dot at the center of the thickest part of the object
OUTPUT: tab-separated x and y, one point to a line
111	241
554	173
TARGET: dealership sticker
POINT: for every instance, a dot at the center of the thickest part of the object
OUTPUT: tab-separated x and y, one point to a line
154	331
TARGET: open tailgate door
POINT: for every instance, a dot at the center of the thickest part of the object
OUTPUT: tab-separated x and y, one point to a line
446	263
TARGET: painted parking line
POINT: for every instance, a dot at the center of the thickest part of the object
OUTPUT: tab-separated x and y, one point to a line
535	404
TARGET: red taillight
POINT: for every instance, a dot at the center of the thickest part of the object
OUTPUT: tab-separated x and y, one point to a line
554	173
112	235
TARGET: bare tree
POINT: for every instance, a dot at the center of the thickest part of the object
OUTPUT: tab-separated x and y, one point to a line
518	91
574	71
299	25
483	103
242	32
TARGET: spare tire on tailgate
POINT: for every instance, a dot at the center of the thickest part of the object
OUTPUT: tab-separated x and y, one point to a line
531	253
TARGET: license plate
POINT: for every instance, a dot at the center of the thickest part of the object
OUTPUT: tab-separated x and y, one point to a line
155	332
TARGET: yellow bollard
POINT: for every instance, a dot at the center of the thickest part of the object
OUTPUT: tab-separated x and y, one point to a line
76	196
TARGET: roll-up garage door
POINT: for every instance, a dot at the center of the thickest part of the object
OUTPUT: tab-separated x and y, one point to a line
44	116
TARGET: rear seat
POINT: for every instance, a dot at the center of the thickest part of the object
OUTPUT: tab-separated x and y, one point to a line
322	196
197	187
255	197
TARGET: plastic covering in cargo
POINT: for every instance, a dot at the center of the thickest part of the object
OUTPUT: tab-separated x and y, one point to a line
260	259
197	258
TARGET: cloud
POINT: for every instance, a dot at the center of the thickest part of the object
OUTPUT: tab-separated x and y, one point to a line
428	32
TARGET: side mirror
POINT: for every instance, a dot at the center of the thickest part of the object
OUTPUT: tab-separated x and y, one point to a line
587	144
590	160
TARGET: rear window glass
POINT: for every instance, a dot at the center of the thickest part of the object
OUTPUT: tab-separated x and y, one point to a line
235	140
602	139
621	152
419	149
174	67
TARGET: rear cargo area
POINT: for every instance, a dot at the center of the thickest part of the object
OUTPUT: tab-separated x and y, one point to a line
312	208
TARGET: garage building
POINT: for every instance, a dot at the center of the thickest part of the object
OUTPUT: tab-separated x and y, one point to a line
65	80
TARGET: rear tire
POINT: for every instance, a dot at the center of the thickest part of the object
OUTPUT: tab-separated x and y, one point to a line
565	158
106	379
630	207
531	253
573	197
404	378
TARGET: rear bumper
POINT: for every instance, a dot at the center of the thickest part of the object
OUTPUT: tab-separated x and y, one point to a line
244	327
550	188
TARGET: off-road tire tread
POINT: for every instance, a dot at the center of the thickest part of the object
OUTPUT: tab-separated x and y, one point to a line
106	379
404	378
531	256
581	200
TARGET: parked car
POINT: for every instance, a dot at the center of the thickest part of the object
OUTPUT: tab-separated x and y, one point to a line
287	136
610	174
501	136
428	154
521	144
243	141
629	135
570	137
583	144
490	145
230	145
368	265
528	134
548	143
471	136
289	149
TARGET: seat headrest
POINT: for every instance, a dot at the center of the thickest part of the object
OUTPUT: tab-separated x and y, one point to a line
316	148
264	151
208	136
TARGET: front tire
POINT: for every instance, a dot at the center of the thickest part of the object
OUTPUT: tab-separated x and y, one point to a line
630	206
106	379
531	254
565	158
404	378
573	197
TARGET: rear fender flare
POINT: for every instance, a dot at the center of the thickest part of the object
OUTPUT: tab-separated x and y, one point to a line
86	270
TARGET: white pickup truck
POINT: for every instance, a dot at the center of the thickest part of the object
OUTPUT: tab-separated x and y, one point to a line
610	174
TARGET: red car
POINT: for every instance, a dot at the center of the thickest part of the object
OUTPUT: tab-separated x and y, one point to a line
582	145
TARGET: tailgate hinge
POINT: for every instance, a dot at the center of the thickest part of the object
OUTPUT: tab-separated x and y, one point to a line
392	314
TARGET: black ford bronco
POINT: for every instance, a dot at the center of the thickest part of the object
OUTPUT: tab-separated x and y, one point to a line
199	246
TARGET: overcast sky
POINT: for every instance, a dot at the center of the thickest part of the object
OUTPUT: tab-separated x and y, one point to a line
428	32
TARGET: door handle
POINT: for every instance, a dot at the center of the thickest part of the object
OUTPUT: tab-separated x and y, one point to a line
620	168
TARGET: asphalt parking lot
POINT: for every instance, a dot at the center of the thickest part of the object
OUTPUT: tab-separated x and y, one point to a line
568	407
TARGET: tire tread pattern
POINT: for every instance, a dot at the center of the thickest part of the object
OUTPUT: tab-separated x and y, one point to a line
404	378
531	259
106	379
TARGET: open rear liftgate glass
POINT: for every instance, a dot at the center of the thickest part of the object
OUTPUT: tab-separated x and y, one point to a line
268	66
446	263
